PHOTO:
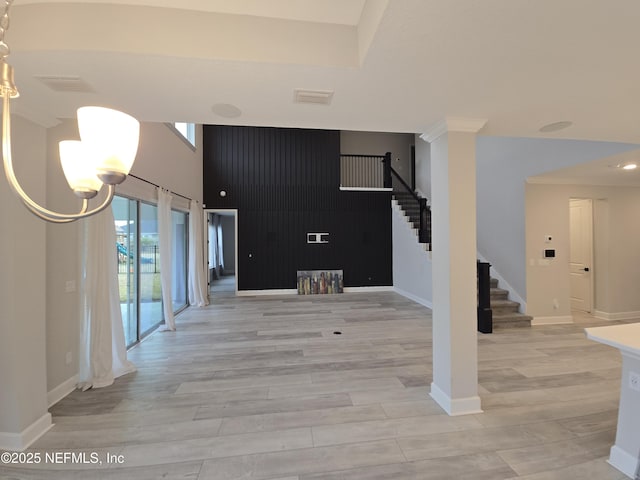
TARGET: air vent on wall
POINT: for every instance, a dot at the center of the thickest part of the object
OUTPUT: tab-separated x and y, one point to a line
315	97
65	83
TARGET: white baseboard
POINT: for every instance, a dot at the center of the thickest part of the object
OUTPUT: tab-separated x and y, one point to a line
559	320
623	461
385	288
293	291
275	291
17	442
61	391
616	315
455	406
415	298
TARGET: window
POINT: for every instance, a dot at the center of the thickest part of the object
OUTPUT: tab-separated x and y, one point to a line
187	130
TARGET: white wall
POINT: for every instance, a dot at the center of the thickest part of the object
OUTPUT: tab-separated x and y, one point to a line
163	158
616	240
503	165
63	265
377	143
411	263
22	293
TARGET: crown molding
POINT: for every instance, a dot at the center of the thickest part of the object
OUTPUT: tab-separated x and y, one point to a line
453	124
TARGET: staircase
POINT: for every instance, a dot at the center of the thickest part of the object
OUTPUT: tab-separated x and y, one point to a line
409	203
505	311
409	207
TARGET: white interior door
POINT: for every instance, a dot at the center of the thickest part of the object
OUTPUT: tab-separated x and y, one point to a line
581	254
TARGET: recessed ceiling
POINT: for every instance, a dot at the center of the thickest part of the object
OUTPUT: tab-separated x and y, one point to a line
394	65
604	171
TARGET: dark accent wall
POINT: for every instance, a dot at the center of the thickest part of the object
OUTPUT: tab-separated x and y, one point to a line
285	183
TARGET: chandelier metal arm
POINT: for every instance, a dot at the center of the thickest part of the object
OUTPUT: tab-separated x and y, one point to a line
35	208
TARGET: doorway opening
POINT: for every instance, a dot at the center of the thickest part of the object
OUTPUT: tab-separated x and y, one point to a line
222	247
581	260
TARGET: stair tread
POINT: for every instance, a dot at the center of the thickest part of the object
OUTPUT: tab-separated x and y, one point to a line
504	303
503	316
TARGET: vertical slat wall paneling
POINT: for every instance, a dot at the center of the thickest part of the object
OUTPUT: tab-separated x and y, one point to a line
285	183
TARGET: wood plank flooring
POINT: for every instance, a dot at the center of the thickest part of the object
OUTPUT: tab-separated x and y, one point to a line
261	388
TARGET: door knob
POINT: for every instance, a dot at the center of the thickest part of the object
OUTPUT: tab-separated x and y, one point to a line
586	269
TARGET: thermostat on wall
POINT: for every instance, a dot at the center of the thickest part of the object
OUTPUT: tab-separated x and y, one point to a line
549	253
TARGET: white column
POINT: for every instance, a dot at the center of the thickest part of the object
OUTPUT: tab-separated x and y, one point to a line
453	204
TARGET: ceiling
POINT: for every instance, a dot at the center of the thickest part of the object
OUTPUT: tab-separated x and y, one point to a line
346	12
393	65
606	171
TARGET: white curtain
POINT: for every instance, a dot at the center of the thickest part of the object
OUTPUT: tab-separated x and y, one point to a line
220	246
213	244
198	294
103	352
166	261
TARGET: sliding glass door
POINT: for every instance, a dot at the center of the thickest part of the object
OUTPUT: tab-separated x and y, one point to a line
125	213
149	278
180	229
139	265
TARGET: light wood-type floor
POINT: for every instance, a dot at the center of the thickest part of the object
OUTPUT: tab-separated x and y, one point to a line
262	388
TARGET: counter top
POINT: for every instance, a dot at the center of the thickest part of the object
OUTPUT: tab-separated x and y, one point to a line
624	337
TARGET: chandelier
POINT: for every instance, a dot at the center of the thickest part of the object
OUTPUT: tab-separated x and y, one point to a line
103	156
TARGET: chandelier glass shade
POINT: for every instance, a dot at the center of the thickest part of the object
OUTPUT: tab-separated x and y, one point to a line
103	156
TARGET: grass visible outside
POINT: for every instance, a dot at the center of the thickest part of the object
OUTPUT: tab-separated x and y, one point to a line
150	287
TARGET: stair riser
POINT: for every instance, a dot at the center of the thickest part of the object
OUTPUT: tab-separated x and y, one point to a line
512	324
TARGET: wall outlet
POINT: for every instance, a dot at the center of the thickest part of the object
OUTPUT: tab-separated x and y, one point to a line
634	381
68	358
70	286
556	304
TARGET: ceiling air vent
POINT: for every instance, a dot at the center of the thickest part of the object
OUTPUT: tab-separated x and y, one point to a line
65	83
315	97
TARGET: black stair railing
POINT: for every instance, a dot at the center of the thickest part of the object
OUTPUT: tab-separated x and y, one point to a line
362	172
393	180
485	315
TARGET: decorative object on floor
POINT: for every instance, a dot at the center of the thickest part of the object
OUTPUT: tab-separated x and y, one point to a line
103	156
319	282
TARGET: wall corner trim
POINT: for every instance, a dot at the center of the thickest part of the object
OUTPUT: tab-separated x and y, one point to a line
453	124
455	406
623	461
17	442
